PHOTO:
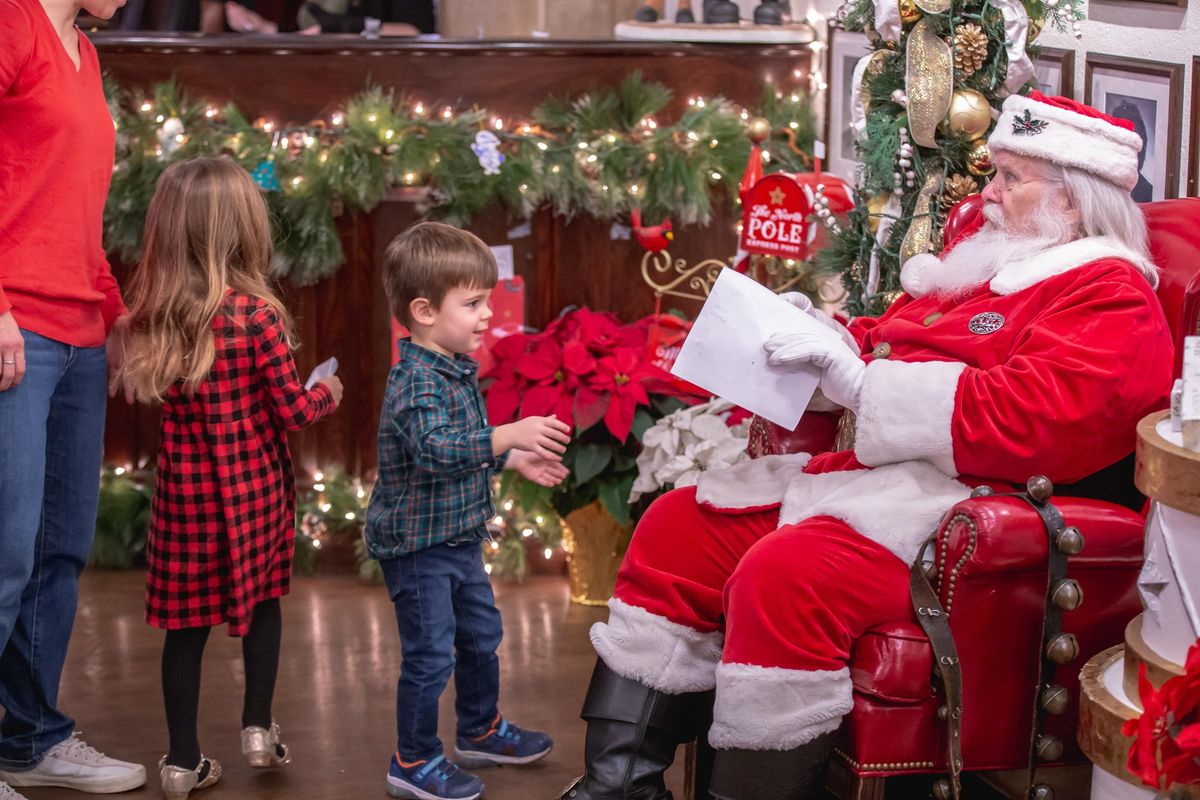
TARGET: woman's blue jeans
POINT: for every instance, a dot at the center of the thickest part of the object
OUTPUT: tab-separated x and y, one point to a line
51	444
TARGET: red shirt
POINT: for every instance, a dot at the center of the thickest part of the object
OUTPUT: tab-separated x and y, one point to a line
56	160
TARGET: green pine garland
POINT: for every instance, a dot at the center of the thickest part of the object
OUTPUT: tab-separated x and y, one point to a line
600	154
850	250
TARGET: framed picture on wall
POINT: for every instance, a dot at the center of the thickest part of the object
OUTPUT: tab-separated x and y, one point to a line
1194	136
1054	71
845	50
1150	95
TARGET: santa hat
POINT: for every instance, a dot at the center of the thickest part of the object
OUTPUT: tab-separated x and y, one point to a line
1071	134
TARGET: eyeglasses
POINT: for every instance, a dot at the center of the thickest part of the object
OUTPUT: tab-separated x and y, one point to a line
1008	184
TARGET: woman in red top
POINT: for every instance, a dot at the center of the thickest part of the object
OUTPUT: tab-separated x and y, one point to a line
209	338
58	304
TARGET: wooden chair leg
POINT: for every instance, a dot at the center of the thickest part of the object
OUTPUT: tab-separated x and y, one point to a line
867	788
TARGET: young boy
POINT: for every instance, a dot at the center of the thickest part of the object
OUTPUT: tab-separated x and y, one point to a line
427	514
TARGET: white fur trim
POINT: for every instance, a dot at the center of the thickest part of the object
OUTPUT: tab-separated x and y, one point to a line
769	708
656	652
757	483
1070	139
916	274
898	506
1018	275
904	413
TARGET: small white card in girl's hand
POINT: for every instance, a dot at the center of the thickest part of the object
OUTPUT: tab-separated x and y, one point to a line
326	369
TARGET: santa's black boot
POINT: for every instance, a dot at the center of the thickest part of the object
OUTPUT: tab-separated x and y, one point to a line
632	736
796	774
717	12
645	14
684	16
770	12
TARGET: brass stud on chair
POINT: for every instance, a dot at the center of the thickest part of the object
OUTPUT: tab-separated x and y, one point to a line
1043	791
1049	748
943	713
1040	488
941	789
1054	700
982	491
1062	648
1066	594
1070	541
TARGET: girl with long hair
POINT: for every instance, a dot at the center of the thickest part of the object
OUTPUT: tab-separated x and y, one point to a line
209	338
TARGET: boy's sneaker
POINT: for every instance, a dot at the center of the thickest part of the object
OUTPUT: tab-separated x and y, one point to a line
73	764
432	779
505	743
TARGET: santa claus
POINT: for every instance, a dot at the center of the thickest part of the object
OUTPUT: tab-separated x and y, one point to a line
1031	347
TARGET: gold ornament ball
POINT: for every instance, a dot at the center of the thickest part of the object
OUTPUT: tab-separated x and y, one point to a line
979	159
909	12
969	113
758	129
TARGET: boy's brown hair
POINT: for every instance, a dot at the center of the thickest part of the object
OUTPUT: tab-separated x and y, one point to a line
428	260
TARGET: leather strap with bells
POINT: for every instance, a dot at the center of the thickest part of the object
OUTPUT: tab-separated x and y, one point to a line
1038	497
936	624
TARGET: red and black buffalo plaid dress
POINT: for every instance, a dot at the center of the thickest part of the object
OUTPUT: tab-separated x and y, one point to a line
222	522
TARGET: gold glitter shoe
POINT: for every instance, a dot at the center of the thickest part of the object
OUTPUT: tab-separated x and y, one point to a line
178	782
262	748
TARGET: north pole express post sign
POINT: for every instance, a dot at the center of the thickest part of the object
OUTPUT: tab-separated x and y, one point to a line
778	213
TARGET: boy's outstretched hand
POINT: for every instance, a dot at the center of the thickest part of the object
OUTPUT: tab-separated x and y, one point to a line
545	437
539	470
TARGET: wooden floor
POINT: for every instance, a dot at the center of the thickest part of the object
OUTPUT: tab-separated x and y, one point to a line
336	695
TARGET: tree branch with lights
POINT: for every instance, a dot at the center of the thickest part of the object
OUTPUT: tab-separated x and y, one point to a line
602	153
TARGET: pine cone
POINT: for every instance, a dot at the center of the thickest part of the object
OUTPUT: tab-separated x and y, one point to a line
970	48
956	188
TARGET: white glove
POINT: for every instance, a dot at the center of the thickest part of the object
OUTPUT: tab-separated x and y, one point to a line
800	300
842	369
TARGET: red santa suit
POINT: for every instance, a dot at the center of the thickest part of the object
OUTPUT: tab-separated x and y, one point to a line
758	581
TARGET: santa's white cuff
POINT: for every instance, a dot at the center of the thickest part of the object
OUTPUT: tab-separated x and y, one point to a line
770	708
905	413
656	652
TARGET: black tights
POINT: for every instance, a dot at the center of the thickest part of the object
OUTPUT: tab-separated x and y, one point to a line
182	654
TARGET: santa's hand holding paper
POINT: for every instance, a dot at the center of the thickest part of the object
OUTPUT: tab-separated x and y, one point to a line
841	368
1032	346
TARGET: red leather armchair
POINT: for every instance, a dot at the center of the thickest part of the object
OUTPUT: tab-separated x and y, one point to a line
991	557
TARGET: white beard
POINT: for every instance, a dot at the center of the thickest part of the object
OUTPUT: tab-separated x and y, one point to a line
975	261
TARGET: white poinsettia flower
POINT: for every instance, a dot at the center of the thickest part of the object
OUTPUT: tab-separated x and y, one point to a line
710	428
670	472
682	445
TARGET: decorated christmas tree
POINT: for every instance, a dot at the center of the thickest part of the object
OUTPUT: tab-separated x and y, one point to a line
922	106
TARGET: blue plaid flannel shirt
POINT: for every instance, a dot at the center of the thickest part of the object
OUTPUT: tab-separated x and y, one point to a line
435	456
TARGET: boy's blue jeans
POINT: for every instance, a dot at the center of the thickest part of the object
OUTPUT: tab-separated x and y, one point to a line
51	439
448	623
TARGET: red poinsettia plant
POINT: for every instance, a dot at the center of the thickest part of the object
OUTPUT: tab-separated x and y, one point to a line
1165	752
598	375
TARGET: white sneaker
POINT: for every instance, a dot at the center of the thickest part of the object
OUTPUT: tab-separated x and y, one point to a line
9	793
73	764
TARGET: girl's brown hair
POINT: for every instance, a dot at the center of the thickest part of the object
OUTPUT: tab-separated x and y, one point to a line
207	230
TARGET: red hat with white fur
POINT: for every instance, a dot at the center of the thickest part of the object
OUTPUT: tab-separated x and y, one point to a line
1071	134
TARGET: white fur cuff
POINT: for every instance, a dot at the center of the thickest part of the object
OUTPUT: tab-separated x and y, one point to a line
757	483
770	708
905	413
656	652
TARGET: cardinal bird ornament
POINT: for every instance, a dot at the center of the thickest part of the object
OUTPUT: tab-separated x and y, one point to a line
653	238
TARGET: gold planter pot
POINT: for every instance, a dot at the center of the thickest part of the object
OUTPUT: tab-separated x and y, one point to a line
595	544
